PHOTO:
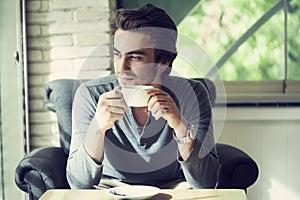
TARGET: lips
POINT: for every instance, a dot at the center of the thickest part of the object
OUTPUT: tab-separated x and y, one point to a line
125	77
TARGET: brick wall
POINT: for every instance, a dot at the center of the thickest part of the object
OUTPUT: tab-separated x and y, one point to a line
65	39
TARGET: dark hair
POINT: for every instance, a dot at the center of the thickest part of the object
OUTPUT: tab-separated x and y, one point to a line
152	17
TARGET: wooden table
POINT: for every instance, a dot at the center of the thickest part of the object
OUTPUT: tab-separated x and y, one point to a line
196	194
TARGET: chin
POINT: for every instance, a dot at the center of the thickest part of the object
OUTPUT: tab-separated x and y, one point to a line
126	82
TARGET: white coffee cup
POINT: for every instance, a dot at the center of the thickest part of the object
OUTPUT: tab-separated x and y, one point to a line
136	95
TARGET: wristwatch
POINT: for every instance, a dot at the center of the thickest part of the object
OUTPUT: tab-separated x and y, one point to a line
190	136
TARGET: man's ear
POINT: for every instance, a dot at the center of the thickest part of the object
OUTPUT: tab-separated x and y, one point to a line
163	66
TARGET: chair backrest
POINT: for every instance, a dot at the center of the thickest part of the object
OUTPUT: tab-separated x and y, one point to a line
59	96
59	99
211	89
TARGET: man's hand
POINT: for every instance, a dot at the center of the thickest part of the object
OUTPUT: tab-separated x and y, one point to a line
110	107
161	104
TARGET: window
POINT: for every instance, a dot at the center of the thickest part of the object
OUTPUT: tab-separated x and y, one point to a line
254	44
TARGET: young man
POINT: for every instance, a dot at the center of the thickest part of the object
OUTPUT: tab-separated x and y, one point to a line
166	142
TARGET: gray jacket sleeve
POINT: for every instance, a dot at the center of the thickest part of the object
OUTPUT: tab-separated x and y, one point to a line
201	169
82	171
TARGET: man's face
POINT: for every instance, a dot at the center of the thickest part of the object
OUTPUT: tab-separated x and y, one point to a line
134	58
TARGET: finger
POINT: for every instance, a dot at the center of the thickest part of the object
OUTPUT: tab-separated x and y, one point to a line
155	108
114	94
118	103
114	114
156	91
117	89
162	100
156	111
116	110
157	114
160	113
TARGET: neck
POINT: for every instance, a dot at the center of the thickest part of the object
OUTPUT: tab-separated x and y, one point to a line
140	114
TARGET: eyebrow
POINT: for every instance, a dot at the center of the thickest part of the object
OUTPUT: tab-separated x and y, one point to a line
140	52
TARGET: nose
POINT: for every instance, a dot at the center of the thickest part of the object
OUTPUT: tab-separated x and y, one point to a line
122	64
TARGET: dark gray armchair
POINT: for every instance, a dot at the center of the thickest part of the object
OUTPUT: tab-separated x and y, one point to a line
45	168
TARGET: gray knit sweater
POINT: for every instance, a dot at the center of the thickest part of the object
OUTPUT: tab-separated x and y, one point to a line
149	154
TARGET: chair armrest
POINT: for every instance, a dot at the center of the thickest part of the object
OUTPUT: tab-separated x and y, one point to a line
238	170
40	170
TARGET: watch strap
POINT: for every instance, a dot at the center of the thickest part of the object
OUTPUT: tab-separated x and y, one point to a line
184	140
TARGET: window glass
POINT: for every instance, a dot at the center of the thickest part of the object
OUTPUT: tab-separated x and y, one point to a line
294	41
216	25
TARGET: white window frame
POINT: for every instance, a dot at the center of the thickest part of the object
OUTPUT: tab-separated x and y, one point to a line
263	92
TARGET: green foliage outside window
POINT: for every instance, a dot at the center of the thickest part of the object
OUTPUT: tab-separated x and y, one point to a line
215	25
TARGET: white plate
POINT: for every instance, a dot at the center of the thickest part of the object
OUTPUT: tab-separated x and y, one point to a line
133	192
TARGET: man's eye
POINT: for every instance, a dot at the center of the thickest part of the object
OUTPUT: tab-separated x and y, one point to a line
132	57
